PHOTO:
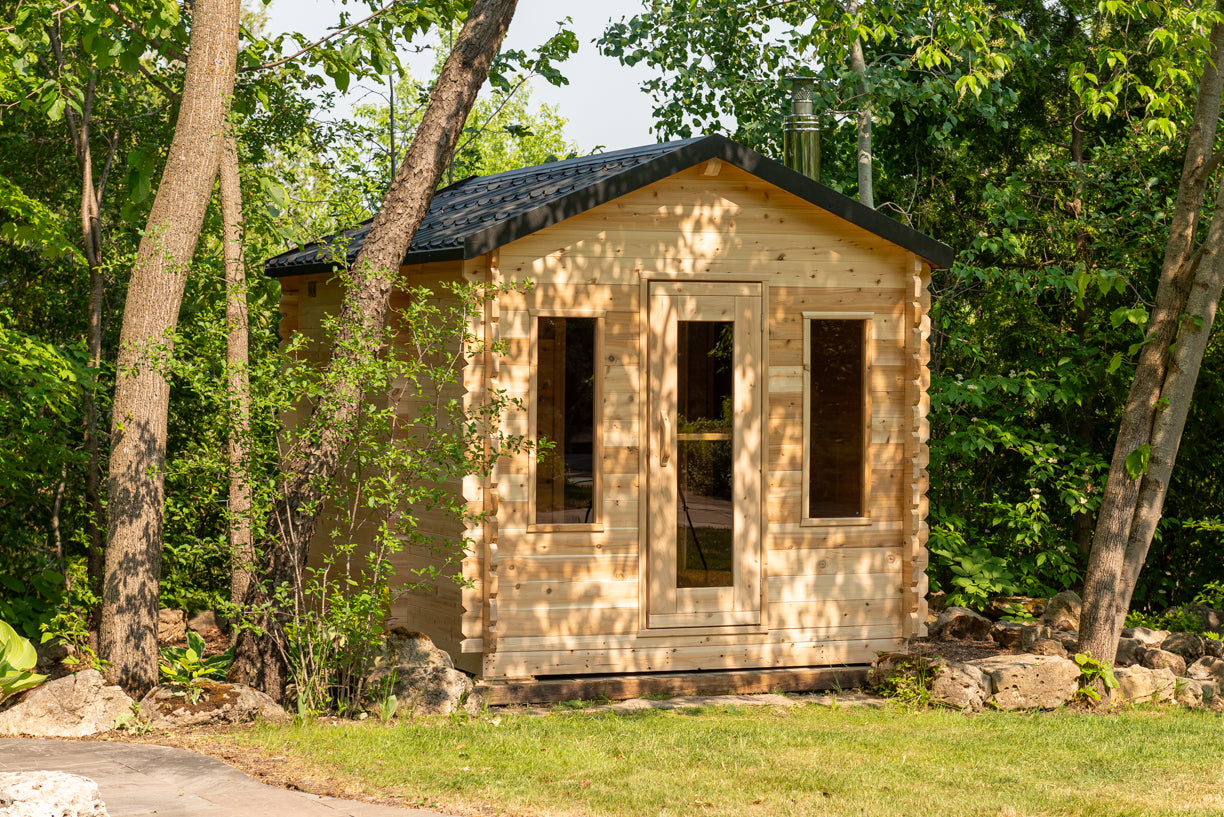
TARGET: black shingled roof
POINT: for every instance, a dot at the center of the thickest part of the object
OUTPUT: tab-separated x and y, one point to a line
482	213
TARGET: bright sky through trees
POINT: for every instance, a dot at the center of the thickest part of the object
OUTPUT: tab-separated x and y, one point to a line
603	103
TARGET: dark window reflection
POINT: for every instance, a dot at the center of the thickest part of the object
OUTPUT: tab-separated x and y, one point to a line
835	456
705	538
565	417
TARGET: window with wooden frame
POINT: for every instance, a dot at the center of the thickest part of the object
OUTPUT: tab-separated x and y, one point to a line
837	418
565	418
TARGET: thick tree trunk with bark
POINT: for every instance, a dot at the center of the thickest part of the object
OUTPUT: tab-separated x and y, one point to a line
237	359
261	658
128	635
1159	398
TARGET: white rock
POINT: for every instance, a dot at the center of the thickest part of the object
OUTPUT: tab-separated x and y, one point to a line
958	685
68	707
1030	681
1144	685
49	794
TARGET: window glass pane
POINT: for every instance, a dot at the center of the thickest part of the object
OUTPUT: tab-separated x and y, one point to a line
565	419
705	536
835	456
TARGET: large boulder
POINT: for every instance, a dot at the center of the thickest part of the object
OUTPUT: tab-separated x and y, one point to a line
1190	646
961	624
1029	681
1207	668
171	626
1189	693
962	686
1151	639
1130	652
1048	646
1063	611
168	707
1213	648
1008	635
49	794
1144	685
1163	659
422	677
70	707
203	620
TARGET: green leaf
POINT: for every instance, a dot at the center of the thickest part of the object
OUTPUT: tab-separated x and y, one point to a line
1137	461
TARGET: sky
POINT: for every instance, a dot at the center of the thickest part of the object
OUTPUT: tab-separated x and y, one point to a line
603	103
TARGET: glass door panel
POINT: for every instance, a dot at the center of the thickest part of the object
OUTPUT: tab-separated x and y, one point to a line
704	506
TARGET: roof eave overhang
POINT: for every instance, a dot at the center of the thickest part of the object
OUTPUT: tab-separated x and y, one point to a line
935	253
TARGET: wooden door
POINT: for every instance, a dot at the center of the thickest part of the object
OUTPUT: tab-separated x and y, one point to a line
706	378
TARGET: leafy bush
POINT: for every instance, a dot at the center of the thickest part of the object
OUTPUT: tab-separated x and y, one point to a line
17	659
1092	673
186	666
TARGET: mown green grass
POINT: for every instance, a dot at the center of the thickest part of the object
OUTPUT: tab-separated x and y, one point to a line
758	761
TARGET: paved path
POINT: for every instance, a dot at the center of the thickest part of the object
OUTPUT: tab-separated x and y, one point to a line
138	779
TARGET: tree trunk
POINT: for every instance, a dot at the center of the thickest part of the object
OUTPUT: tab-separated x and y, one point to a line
361	321
237	359
1159	397
128	634
866	188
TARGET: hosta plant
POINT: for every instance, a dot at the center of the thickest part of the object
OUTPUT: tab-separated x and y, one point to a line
17	660
187	667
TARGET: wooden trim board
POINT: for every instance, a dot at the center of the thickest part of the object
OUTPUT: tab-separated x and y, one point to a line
623	687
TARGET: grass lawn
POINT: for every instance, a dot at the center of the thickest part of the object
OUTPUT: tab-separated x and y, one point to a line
807	760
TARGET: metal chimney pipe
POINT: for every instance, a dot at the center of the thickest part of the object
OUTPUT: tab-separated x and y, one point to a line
801	131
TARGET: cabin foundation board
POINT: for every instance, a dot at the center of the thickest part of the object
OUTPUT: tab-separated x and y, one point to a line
726	365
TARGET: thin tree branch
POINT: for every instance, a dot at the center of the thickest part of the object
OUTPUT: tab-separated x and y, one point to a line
338	32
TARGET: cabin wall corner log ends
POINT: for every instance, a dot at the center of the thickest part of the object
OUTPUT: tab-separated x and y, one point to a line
730	361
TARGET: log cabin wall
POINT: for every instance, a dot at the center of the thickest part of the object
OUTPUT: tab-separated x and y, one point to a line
572	601
568	599
438	609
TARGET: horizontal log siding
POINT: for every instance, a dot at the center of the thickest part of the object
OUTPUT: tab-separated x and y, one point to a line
569	601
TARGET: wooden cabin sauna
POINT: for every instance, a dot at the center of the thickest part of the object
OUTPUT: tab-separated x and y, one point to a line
730	362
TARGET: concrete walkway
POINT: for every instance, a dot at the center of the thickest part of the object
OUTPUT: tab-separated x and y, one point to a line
138	779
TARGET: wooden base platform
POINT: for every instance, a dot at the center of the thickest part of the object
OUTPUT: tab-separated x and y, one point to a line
622	687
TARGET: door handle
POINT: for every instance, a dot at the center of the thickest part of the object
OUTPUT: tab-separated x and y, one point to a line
665	441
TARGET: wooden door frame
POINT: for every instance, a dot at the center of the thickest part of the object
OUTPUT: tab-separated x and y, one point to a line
747	591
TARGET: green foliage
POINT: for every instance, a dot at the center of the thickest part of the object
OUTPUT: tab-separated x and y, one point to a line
1094	673
186	667
17	659
908	682
1175	620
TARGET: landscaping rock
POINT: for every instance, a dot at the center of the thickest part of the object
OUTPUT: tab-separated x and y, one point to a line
171	626
1048	646
1063	611
1207	668
1144	685
962	624
1007	635
203	620
937	601
1162	659
1029	681
1190	646
426	681
1213	648
962	686
406	649
1034	633
1001	606
1188	693
1069	640
68	707
889	665
1130	652
1151	639
169	707
49	794
50	654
